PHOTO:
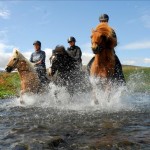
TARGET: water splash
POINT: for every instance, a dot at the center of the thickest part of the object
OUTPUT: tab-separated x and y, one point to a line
122	98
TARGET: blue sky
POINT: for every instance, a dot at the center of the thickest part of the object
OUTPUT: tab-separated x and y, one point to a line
52	22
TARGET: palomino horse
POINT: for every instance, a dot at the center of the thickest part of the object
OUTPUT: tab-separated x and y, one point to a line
105	61
30	82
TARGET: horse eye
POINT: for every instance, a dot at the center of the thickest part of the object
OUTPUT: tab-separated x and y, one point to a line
14	58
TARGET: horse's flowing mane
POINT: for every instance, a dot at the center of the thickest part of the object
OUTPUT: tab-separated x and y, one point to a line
104	32
103	36
104	29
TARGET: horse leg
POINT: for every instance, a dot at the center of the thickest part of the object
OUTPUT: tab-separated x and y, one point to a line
108	92
95	100
21	97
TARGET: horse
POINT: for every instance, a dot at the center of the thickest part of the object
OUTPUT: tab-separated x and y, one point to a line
105	65
30	82
63	68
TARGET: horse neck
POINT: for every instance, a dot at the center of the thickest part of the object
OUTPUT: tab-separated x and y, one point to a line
103	65
104	57
24	66
27	74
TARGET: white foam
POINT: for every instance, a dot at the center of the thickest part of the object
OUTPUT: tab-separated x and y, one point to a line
122	98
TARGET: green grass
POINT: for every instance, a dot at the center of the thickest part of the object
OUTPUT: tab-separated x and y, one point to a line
9	85
139	77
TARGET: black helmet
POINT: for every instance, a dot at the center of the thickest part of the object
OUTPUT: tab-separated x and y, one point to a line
71	39
37	42
104	17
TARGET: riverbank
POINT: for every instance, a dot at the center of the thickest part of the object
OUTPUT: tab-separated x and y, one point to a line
10	83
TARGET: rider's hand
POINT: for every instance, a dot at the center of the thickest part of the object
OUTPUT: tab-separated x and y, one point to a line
34	64
39	62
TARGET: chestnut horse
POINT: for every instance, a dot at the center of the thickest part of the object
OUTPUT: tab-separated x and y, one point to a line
30	82
104	64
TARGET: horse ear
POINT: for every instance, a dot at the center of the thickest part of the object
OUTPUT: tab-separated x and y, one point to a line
17	52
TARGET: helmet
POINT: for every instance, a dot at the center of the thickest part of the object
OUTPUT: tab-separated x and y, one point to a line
104	17
71	39
37	42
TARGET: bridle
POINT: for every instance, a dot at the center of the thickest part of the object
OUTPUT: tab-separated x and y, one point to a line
15	64
55	56
10	68
99	48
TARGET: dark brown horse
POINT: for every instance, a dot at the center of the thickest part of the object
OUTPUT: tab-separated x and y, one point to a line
105	64
66	73
63	67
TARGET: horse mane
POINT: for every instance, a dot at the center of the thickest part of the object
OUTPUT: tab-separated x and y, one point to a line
18	54
106	33
103	36
60	49
104	29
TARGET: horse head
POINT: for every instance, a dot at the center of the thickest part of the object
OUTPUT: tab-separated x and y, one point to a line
13	62
57	53
18	61
102	38
61	61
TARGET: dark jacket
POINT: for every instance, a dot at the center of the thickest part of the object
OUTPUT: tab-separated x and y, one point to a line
75	53
114	36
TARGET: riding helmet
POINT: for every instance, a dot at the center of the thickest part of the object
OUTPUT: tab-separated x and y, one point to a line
71	39
37	42
104	17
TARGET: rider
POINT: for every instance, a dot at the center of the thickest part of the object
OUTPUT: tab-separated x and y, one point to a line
104	18
75	52
38	58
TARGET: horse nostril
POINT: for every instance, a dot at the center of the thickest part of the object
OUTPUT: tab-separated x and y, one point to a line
93	48
8	69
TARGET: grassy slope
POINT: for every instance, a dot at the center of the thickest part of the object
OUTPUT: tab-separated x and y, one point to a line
140	76
10	84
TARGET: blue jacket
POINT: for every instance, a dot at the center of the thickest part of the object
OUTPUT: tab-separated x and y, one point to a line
37	56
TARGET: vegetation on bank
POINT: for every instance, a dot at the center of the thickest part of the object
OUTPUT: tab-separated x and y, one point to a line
9	84
139	77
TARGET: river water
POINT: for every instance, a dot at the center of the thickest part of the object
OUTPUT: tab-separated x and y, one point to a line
45	122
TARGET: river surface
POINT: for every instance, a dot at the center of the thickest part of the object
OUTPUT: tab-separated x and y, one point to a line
46	122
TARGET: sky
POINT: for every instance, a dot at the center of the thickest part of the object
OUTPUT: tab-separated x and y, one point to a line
52	22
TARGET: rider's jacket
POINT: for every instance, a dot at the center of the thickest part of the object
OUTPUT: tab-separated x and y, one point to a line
37	56
75	53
